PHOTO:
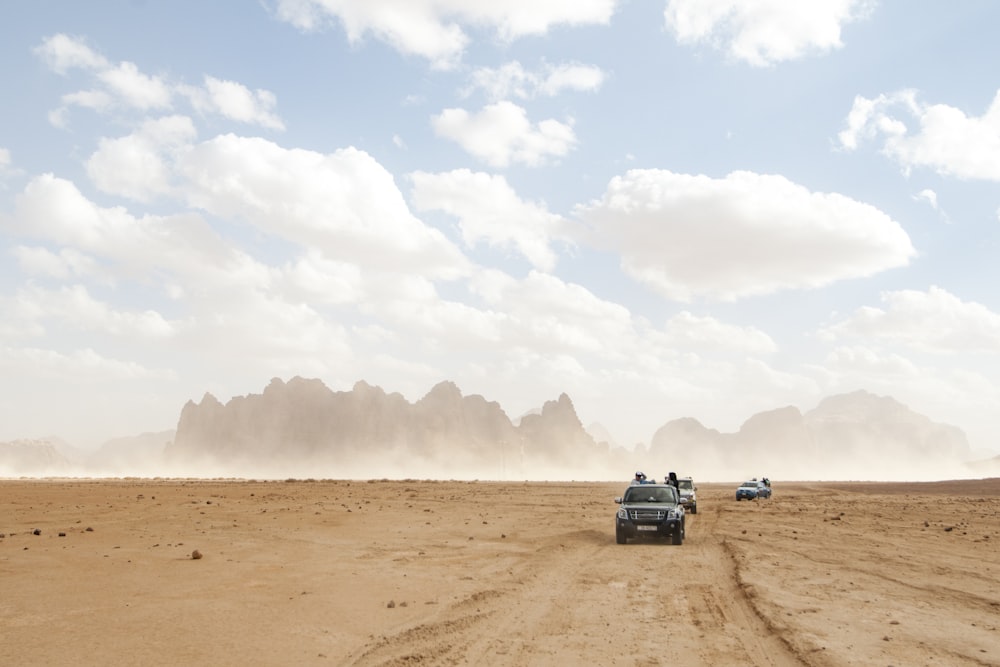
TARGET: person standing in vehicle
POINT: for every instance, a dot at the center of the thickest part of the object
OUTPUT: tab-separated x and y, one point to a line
640	478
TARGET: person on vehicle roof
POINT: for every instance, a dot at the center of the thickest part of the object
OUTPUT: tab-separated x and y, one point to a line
640	478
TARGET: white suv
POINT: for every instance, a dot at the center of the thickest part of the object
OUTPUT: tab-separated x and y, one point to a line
689	498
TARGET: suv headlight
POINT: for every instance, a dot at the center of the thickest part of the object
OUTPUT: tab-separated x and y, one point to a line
622	513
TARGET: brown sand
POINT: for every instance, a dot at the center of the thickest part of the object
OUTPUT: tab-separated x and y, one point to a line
484	573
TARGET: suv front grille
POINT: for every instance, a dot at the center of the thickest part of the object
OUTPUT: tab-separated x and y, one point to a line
647	515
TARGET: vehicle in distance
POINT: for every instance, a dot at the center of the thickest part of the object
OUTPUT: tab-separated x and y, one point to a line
650	510
752	489
689	498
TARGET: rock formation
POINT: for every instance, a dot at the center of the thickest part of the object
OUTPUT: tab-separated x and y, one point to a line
32	458
848	436
303	426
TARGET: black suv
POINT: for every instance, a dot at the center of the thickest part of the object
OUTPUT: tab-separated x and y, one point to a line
650	510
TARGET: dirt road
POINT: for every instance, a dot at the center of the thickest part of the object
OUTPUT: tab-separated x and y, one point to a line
460	573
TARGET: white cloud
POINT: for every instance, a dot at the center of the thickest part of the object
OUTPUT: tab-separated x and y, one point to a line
63	53
235	101
137	90
550	316
67	263
124	86
746	234
74	305
318	279
928	196
6	165
20	320
329	215
934	321
344	203
513	80
944	138
412	28
433	29
863	362
95	100
124	82
138	165
540	316
59	117
432	324
686	330
278	334
182	248
225	300
53	209
501	135
764	32
81	364
489	210
571	76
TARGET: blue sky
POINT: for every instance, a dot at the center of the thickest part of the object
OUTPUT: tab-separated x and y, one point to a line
663	209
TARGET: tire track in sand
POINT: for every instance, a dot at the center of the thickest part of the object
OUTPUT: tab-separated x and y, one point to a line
525	619
727	627
578	596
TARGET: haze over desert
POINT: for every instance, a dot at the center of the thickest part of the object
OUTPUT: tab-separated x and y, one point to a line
301	428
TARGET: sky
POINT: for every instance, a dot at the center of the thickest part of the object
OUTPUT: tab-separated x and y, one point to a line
661	208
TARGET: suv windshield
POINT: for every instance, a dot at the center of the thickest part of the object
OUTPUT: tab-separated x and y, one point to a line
637	494
685	484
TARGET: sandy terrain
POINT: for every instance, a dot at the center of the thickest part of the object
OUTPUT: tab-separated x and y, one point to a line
461	573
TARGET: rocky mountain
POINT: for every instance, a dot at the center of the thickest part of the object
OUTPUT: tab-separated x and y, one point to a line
302	427
32	458
849	436
140	455
600	433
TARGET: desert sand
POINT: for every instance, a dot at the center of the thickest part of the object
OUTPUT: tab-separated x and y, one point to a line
237	572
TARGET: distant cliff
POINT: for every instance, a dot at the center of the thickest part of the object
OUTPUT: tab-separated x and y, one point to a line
849	436
303	426
32	458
